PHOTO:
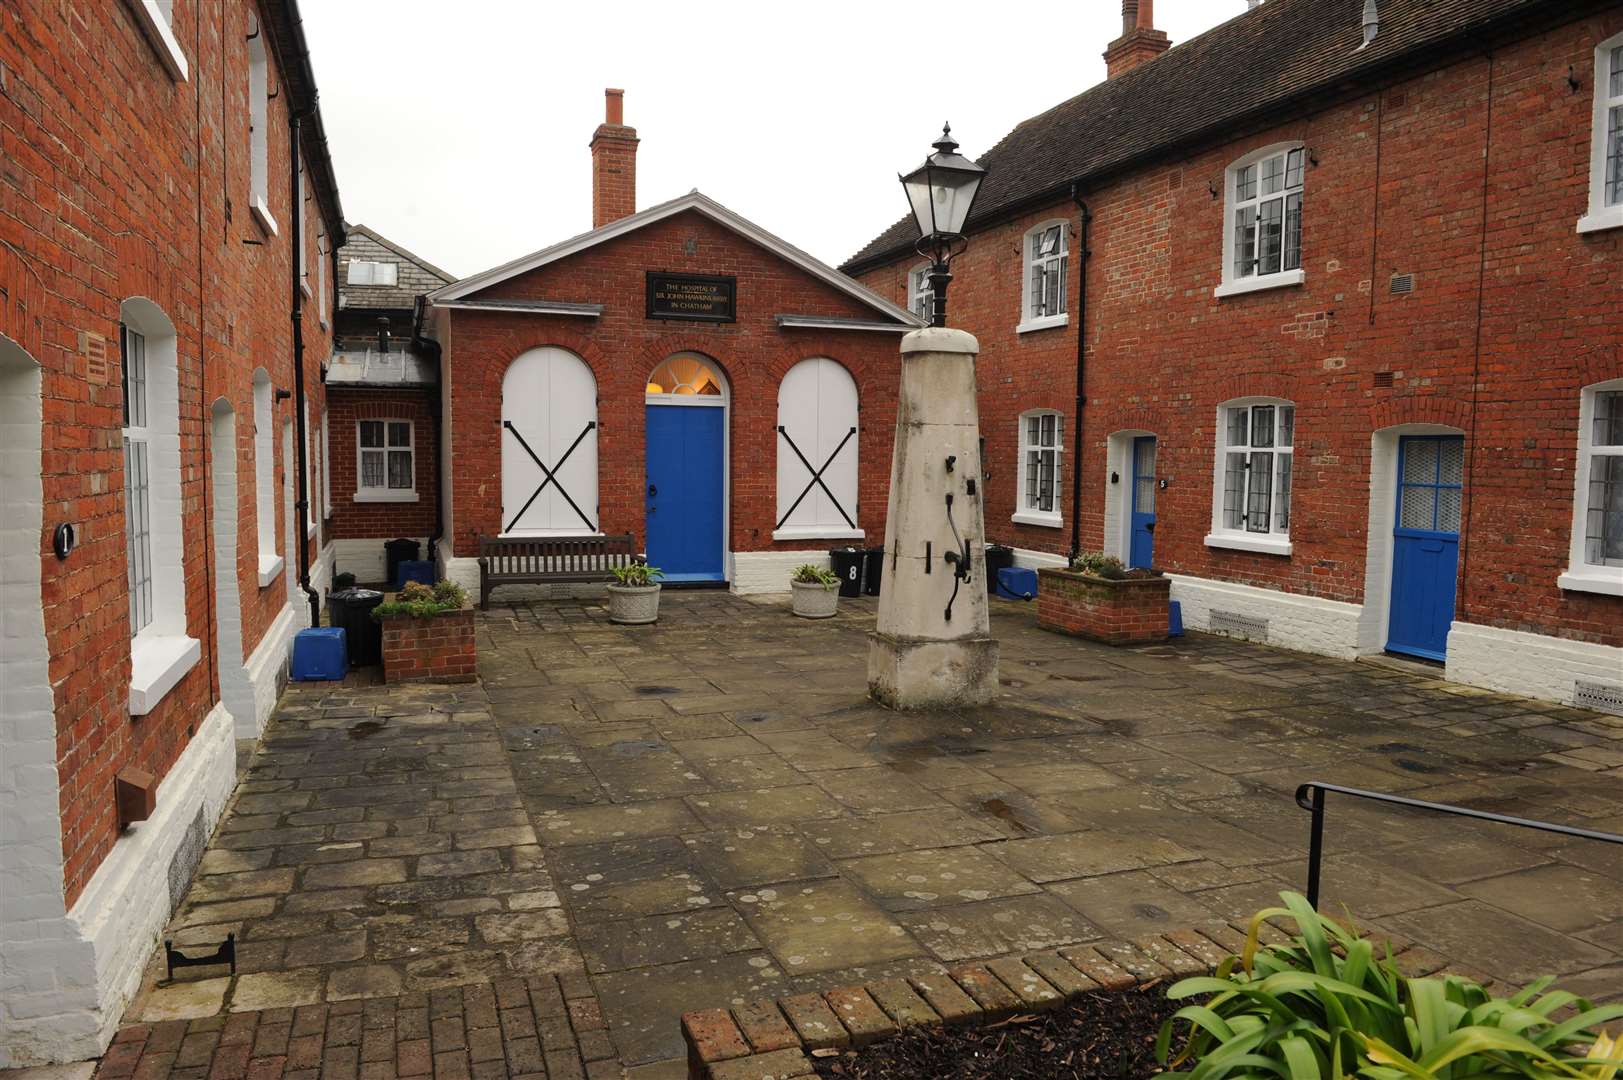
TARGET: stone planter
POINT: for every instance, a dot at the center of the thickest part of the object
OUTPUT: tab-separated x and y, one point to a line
1132	611
437	648
633	605
810	600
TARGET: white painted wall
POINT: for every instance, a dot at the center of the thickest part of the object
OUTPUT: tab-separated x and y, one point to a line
264	472
236	689
1304	623
759	572
1534	665
366	559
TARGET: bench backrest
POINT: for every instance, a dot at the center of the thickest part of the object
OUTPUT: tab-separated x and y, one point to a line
556	554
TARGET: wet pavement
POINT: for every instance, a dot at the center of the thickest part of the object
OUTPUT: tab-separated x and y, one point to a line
709	810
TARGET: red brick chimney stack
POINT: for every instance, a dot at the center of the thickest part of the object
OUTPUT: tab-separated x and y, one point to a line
1140	41
614	163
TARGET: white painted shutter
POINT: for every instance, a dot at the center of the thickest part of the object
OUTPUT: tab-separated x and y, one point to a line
817	410
549	397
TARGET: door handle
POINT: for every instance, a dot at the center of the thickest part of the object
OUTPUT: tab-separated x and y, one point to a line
1149	526
652	490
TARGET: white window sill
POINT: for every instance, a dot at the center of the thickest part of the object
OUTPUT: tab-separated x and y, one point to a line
261	213
309	293
310	531
1258	284
1596	579
1267	545
1037	517
268	569
386	496
1609	218
1047	322
157	663
162	36
817	532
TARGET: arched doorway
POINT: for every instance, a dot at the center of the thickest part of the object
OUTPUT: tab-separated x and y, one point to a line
549	445
685	504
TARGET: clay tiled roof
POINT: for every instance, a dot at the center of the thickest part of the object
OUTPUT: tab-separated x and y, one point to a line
1270	60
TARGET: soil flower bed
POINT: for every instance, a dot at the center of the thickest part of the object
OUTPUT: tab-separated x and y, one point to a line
1094	1037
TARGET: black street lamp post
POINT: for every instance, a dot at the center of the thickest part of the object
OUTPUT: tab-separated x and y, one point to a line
941	192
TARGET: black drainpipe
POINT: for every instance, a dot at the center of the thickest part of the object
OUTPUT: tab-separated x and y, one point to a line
431	347
302	503
1081	347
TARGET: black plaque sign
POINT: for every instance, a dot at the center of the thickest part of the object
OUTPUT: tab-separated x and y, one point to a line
692	297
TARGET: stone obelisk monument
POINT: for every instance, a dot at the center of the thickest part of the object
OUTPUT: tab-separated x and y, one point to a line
933	646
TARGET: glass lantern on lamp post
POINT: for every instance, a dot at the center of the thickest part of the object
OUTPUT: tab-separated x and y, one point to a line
941	192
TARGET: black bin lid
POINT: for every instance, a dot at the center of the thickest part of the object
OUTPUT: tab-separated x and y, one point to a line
356	596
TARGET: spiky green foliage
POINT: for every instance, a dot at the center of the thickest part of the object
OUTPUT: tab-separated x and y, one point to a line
1324	1006
637	574
807	574
420	601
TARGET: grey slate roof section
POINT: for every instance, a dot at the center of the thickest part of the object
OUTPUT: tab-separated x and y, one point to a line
369	369
1259	64
414	277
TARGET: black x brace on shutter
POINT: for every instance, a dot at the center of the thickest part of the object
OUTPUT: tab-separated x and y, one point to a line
551	475
816	478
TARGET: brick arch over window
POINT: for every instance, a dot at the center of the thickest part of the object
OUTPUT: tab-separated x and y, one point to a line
1598	364
19	300
1269	384
1110	422
1443	411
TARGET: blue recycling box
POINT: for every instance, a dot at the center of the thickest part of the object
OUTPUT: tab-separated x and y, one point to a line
415	570
1017	583
318	653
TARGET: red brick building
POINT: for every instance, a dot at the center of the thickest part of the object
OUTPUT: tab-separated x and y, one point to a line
1347	306
167	213
677	373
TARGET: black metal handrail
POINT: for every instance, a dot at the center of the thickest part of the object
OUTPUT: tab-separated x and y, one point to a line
1310	797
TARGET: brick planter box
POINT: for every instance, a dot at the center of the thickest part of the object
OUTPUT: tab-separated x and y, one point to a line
1132	611
439	648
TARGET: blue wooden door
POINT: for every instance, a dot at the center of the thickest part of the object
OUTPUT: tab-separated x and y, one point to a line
1142	548
684	496
1426	544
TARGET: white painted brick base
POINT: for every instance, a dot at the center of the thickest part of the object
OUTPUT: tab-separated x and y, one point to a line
1532	665
367	560
759	572
67	988
1038	560
1304	623
267	671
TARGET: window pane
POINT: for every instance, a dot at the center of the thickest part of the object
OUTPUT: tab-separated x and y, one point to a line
1417	508
138	533
1273	175
1037	291
1032	457
1051	304
371	433
1293	169
1144	495
1234	492
1420	461
1262	425
1608	429
399	434
1271	236
1614	156
1603	541
1059	297
400	470
1245	184
1260	476
1033	430
1617	72
1282	495
1045	493
1452	469
371	468
1237	426
1448	510
1293	232
1048	429
1287	425
135	379
1245	241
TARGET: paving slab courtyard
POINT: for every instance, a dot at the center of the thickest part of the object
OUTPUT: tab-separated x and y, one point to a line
709	810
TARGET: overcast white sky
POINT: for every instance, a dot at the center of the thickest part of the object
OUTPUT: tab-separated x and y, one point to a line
459	128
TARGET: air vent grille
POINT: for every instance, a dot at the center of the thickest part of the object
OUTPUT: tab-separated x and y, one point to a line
1234	624
1383	379
1602	697
1402	284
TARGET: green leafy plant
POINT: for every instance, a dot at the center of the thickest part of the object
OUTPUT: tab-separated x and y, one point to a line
636	575
1324	1005
1098	564
421	601
807	574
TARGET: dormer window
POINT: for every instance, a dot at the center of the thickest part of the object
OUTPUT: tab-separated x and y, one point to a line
363	272
1606	155
1043	293
1263	229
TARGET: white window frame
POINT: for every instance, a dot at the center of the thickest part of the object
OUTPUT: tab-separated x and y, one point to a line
156	19
136	434
370	277
270	563
1234	284
259	127
321	274
920	297
304	231
385	494
311	517
1276	540
1057	261
1603	214
326	461
1026	514
1581	575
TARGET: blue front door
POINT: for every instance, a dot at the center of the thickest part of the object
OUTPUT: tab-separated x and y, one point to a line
1426	543
1142	547
684	498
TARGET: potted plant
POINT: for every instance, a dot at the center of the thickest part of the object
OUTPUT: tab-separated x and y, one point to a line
634	595
814	592
1098	598
427	634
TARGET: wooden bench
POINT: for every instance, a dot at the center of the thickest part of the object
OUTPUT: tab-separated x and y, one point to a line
547	560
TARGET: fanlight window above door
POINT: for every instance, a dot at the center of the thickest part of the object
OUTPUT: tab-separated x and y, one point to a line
686	375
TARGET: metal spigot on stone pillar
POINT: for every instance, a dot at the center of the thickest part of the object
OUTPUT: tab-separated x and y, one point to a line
933	646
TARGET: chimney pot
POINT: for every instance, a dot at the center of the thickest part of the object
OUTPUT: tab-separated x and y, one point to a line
1146	15
1140	41
614	107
